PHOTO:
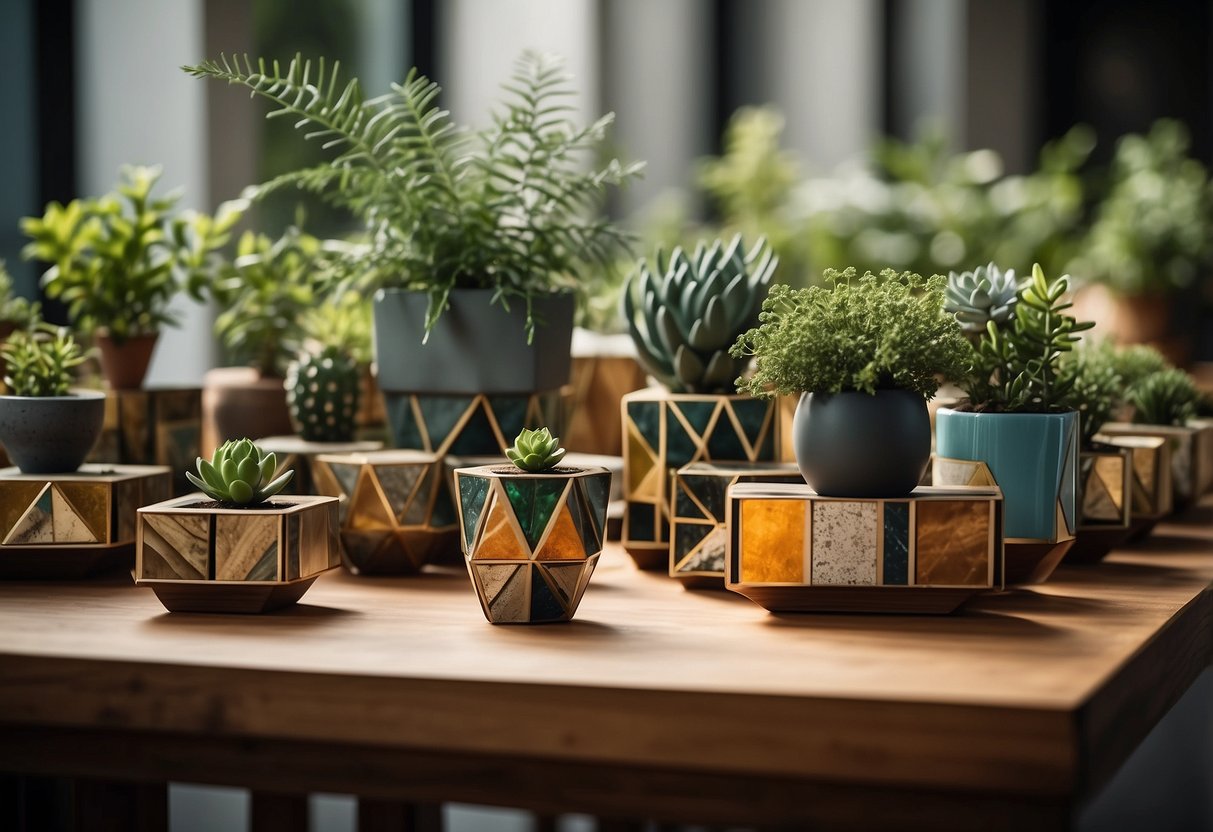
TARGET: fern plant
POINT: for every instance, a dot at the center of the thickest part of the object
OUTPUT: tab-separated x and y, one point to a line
514	208
40	361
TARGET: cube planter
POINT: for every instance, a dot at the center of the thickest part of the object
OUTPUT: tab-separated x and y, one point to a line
531	541
296	453
200	557
699	536
1191	455
158	426
663	431
74	525
791	550
1151	494
397	513
1033	458
1105	488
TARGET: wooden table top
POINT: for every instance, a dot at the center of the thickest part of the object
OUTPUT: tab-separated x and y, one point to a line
1039	691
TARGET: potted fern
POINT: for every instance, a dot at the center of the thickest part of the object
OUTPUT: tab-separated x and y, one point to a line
864	354
45	425
239	546
684	310
1018	428
118	261
531	531
473	238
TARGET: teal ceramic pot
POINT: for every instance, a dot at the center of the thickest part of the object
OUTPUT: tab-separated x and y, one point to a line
1032	456
51	434
855	444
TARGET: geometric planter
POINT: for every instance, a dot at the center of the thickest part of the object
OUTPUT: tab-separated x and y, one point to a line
1033	458
1152	494
77	524
663	431
1105	488
531	540
161	426
472	424
791	550
198	557
699	536
295	452
397	513
1191	455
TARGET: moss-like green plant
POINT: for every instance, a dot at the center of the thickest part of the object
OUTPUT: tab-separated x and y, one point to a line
1097	392
536	451
15	310
118	261
239	474
40	361
515	208
865	334
1135	362
1016	366
1168	397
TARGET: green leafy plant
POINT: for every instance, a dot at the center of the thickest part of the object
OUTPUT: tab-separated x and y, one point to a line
983	295
343	322
1016	366
692	308
16	311
40	361
1167	397
1134	362
239	474
1097	392
270	287
514	208
854	334
535	451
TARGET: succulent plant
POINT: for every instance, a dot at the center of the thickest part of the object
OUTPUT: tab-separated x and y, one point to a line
1168	397
322	393
1097	391
693	309
536	450
985	294
239	474
40	361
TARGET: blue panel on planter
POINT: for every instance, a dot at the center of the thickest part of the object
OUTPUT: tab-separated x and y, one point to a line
641	520
441	414
510	412
896	543
472	491
585	528
647	418
544	606
752	414
405	433
597	492
697	414
724	443
680	448
476	437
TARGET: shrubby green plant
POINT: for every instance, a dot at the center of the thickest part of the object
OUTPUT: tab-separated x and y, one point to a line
18	312
119	260
535	451
693	307
1134	362
1016	366
40	361
343	322
1097	393
239	474
515	208
1167	397
854	333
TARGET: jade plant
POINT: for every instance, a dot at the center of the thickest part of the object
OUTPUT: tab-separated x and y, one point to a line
1166	397
40	361
239	474
535	451
983	295
1016	366
516	208
854	333
119	260
692	309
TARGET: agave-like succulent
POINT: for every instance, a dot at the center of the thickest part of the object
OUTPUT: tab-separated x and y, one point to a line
239	474
985	294
693	309
1168	397
536	450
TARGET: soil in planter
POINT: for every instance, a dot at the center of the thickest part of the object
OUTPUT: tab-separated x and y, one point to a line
258	507
551	471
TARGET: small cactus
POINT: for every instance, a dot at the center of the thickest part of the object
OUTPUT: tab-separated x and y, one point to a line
692	309
536	451
322	392
985	294
239	474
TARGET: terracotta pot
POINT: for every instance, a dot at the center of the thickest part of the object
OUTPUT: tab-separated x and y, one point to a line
239	402
125	364
1133	319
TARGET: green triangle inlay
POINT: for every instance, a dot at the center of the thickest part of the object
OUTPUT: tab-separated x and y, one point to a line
441	414
585	527
472	491
646	416
597	491
476	438
697	414
405	433
751	414
534	500
44	501
510	413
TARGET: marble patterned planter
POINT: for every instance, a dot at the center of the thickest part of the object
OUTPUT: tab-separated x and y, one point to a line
664	431
198	557
1191	455
296	453
1152	495
74	525
156	426
791	550
1105	480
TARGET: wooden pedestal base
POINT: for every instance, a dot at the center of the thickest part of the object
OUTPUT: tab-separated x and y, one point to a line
866	599
209	596
69	563
1033	563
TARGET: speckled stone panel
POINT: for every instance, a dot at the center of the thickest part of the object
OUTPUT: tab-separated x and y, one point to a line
844	543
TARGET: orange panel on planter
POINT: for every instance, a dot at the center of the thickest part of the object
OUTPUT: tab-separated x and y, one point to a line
563	541
953	543
501	541
772	540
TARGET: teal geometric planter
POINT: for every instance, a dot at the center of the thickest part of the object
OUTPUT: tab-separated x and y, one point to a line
1033	457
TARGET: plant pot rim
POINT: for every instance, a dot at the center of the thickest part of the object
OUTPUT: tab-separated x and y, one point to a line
289	504
538	293
104	332
952	410
76	395
495	472
663	393
381	456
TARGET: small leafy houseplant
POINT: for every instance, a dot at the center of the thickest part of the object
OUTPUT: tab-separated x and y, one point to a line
46	427
864	353
16	312
532	531
119	260
1019	422
239	474
506	216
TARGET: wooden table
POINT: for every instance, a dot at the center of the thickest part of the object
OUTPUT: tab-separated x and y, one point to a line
656	702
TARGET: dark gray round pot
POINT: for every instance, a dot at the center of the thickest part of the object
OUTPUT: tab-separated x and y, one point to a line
51	435
860	445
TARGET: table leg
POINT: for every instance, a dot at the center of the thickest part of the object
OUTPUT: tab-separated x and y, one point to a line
272	812
398	816
111	806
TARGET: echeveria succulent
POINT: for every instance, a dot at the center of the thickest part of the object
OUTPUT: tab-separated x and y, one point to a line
536	450
983	295
239	474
